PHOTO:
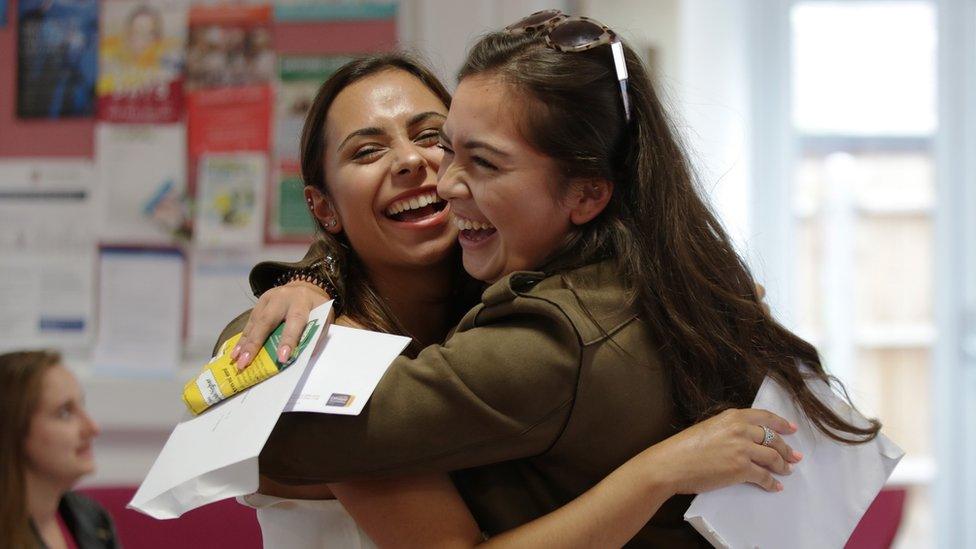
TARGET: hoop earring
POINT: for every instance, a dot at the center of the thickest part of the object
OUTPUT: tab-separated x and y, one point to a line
332	223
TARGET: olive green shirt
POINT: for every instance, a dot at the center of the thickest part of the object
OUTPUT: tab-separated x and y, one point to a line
542	390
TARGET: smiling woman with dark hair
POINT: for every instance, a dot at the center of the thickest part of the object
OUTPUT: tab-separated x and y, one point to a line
45	448
599	381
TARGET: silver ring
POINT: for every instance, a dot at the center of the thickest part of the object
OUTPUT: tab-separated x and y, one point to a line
768	436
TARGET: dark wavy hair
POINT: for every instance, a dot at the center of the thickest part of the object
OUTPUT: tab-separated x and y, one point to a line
692	289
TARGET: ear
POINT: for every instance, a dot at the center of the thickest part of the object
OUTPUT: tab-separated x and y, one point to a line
322	210
587	198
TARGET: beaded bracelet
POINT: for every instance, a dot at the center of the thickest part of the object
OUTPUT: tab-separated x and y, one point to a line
312	275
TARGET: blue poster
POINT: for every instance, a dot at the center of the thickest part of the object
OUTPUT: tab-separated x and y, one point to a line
57	58
3	13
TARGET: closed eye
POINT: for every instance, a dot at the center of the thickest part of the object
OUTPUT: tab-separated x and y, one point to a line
366	152
427	138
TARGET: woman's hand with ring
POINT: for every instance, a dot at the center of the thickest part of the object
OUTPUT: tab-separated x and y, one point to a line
723	450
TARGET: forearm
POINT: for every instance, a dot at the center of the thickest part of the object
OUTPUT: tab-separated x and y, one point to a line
607	515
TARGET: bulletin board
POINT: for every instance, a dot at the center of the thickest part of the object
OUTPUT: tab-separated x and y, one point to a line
150	200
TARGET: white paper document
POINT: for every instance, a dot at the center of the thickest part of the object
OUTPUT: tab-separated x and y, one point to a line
346	372
140	311
142	182
48	299
822	500
214	456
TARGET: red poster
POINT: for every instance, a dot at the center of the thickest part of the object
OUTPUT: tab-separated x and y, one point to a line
229	119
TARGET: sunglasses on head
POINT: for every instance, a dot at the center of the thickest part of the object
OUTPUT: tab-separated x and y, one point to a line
576	33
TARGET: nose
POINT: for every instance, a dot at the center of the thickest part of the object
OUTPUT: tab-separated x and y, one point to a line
408	160
92	429
450	183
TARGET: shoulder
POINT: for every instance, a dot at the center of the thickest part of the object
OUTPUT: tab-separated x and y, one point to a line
90	523
592	299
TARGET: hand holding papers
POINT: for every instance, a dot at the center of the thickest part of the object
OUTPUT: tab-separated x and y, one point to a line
214	456
823	499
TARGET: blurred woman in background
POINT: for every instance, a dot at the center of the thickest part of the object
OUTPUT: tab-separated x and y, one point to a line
45	449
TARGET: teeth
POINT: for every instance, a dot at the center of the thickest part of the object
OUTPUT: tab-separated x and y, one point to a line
468	224
412	203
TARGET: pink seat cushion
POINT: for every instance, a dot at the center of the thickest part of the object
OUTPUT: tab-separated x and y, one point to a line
222	524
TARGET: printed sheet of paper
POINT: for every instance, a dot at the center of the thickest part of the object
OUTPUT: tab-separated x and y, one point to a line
344	375
46	204
48	299
822	500
140	311
47	253
142	195
230	200
141	59
219	291
214	456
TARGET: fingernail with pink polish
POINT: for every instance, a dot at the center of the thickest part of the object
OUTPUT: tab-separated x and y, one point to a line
797	455
284	353
779	486
235	351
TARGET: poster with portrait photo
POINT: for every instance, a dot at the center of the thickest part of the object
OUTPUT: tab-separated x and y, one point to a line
57	58
141	57
229	46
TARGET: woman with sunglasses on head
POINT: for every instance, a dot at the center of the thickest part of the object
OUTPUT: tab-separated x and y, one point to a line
45	448
617	314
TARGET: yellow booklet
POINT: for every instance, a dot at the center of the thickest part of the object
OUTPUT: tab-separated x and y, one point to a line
220	379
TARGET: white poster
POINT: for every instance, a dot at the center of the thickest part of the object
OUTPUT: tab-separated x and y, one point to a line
140	311
219	291
142	183
47	299
47	251
230	200
46	204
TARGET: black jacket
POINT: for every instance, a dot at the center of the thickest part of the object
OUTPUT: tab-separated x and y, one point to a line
87	521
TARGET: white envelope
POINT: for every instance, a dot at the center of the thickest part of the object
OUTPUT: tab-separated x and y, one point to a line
822	500
345	374
214	456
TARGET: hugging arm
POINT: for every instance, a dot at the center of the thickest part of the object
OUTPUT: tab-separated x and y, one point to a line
427	511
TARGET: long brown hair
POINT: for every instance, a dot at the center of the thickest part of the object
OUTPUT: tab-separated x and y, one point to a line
360	300
21	374
692	289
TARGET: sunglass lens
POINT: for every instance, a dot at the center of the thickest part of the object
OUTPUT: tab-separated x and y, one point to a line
575	33
535	19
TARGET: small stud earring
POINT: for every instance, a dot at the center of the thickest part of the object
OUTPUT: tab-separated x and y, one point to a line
333	223
309	202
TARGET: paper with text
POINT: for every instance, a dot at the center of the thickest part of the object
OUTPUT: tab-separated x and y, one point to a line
347	371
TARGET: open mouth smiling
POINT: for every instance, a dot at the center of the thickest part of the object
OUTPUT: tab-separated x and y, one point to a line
416	208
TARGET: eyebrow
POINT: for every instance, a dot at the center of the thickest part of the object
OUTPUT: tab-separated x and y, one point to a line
475	144
374	131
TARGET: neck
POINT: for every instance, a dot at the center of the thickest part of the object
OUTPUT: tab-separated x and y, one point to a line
419	298
43	497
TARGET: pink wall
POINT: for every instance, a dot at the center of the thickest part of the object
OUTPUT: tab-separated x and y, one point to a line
74	138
